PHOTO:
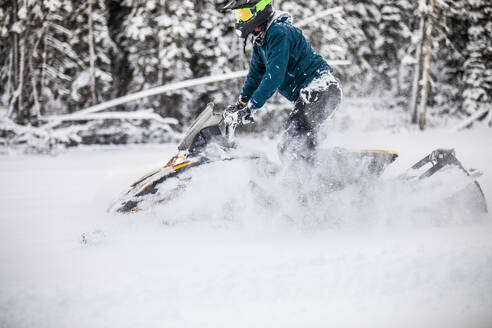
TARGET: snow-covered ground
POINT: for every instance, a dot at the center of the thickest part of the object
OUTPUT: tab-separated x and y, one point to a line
211	260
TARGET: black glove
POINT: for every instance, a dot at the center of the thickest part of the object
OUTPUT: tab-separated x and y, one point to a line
236	107
243	113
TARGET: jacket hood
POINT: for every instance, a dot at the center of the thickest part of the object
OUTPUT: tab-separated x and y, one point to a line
280	16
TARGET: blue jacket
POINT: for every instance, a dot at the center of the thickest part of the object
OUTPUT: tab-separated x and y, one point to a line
285	61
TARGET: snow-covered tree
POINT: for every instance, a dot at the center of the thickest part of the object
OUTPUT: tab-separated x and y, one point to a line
216	49
418	41
363	38
478	64
395	29
52	57
438	58
158	35
24	23
48	57
91	40
6	14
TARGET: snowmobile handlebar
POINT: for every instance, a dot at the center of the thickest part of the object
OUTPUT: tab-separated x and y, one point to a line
234	118
238	117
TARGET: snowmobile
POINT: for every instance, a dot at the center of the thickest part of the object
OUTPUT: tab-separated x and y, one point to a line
210	139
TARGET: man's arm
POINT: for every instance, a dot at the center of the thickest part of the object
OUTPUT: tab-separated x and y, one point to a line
276	68
255	75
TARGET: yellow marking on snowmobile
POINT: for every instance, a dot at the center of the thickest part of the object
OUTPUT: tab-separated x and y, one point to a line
142	186
177	167
392	152
176	159
191	161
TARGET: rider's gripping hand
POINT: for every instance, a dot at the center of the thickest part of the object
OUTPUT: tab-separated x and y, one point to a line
236	107
242	111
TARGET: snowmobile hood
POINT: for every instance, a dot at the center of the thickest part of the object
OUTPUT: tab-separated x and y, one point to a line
280	16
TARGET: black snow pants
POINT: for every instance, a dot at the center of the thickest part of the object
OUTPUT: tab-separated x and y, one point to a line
316	103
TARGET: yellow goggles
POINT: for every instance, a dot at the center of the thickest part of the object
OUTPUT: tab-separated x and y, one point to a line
244	14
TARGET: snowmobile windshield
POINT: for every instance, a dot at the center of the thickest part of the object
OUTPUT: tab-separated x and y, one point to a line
206	119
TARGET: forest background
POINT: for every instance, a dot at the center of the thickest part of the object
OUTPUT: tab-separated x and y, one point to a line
58	57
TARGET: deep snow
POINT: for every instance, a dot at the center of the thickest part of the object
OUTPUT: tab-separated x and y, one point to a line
214	259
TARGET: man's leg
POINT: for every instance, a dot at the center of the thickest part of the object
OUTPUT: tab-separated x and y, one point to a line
321	104
296	140
316	103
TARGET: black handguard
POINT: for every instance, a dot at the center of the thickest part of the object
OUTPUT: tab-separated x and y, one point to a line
243	113
245	116
236	107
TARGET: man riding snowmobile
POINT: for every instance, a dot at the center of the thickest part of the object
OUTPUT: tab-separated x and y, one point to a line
283	60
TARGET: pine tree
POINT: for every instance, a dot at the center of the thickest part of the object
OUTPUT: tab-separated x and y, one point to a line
92	80
53	57
5	53
419	41
364	40
436	79
215	50
120	66
448	58
41	58
478	66
395	29
25	21
427	67
157	35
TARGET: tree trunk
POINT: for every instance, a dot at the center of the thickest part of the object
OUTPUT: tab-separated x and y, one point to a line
92	54
426	76
23	114
14	67
413	108
160	75
36	110
11	79
42	84
400	77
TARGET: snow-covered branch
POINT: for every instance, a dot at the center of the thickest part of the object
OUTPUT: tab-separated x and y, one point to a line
322	14
102	128
167	88
471	119
160	90
140	115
